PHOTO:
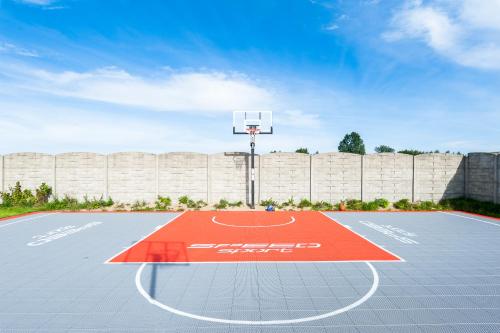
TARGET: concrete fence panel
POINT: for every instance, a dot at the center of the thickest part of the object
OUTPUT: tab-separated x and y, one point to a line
229	176
497	184
183	174
388	176
481	176
132	176
285	175
335	177
80	174
31	169
439	176
1	174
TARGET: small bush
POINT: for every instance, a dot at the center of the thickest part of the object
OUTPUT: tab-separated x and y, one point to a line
289	203
196	204
426	205
472	206
268	202
43	193
371	205
382	203
303	203
17	197
235	204
163	203
322	205
354	204
222	204
184	200
140	206
403	204
95	203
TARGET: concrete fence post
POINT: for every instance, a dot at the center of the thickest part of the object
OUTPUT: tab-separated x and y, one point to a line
310	177
466	176
362	173
495	178
106	177
54	182
413	179
209	180
157	176
2	173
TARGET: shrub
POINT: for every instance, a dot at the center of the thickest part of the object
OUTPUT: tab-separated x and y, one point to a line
288	203
18	197
95	203
163	203
322	205
382	203
371	205
426	205
43	193
403	204
222	204
472	206
235	204
183	200
268	202
303	203
196	204
354	204
140	205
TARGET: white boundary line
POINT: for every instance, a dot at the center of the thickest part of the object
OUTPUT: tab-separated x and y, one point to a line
2	225
381	247
253	226
248	262
471	218
143	238
351	306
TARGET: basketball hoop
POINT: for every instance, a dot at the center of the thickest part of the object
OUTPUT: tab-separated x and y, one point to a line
252	123
252	130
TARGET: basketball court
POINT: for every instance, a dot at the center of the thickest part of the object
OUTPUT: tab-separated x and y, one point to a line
217	271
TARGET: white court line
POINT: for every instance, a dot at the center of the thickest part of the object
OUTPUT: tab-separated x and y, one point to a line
360	301
292	220
472	218
143	238
3	225
351	230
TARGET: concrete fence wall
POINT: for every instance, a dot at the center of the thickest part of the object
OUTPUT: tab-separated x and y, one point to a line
331	177
483	181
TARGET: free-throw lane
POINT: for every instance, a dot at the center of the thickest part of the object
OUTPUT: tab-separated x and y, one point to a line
253	237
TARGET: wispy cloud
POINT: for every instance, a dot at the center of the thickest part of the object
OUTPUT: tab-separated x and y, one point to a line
14	49
467	31
37	2
172	91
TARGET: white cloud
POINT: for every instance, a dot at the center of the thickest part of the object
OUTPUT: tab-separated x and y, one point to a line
467	31
37	2
14	49
297	119
191	91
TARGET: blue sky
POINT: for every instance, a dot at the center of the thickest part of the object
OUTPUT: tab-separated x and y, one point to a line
159	76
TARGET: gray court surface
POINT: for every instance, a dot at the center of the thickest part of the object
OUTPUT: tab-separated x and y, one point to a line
53	278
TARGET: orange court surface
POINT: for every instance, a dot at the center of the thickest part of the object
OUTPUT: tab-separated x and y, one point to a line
222	236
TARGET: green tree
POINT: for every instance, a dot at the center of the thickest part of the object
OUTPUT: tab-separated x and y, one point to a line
413	152
384	149
352	143
302	151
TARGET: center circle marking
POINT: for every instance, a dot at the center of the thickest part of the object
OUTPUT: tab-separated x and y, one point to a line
292	220
257	322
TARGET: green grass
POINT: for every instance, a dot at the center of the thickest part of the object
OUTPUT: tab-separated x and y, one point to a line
11	211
